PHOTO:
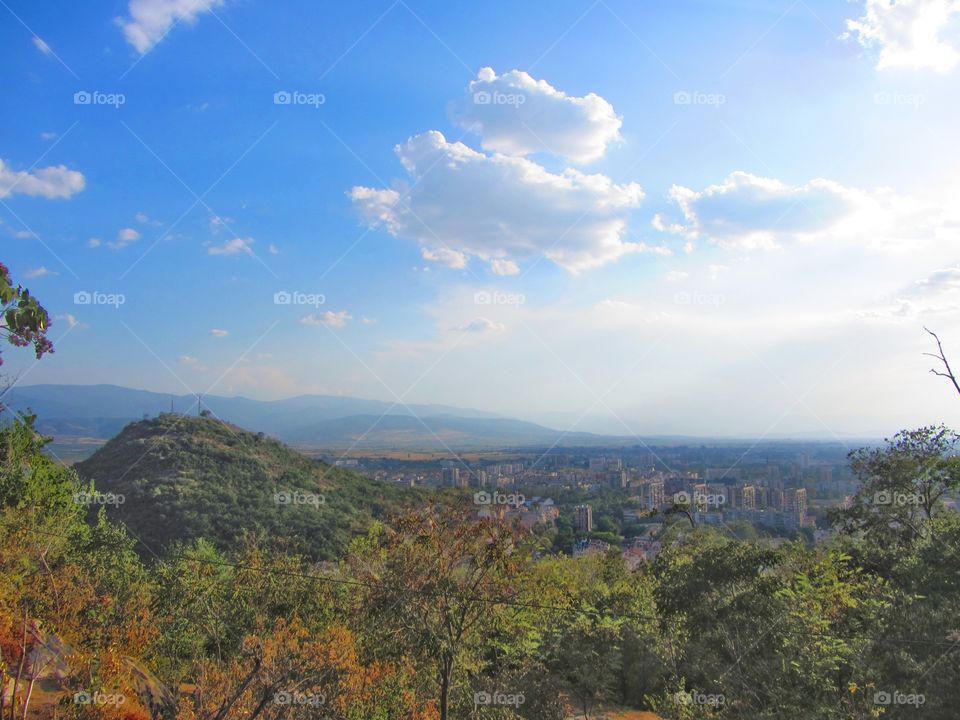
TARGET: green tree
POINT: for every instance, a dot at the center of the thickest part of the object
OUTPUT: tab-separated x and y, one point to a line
902	487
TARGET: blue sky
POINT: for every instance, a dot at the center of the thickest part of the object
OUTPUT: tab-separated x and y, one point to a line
693	217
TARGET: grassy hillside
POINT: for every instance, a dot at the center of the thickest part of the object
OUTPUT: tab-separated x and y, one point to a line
187	477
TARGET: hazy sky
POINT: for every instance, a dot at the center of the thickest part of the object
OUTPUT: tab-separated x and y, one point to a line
681	217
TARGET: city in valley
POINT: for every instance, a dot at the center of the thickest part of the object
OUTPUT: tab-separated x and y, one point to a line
592	500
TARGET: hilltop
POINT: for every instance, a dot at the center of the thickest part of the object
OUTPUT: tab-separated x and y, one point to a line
188	477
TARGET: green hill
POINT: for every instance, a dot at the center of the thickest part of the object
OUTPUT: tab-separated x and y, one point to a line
188	477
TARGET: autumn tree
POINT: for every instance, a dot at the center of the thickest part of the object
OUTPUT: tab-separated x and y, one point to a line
432	581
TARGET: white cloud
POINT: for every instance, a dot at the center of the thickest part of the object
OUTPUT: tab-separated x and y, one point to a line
70	320
273	249
499	266
748	212
936	294
124	238
41	45
676	276
909	33
330	318
482	325
150	20
444	256
216	332
94	242
48	136
517	115
55	181
186	360
494	206
232	247
39	272
141	218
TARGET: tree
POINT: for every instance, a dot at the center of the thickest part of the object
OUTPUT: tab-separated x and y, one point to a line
23	321
901	488
431	579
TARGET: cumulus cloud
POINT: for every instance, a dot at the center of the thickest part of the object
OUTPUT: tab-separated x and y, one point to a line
444	256
515	114
148	21
909	33
499	266
55	181
482	325
747	211
329	318
39	272
495	206
94	242
232	247
124	238
216	332
936	294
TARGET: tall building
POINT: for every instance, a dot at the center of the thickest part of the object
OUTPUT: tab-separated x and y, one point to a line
653	495
450	476
617	478
583	518
795	501
699	499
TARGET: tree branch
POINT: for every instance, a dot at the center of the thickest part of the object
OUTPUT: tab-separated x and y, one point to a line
942	358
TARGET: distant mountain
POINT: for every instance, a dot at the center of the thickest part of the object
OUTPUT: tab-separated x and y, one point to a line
185	477
431	433
319	421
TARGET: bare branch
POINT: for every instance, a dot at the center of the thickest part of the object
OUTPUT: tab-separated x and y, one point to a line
942	358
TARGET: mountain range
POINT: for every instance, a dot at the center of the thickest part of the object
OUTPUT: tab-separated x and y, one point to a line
98	412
